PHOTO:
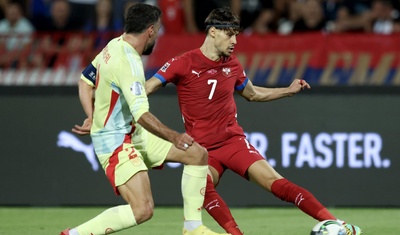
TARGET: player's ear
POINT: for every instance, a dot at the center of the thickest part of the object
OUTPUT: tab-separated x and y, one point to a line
151	30
212	31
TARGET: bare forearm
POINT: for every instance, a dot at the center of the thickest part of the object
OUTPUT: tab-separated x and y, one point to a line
263	94
153	125
86	98
152	85
260	94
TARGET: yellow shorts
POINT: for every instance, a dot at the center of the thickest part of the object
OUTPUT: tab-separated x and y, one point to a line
130	158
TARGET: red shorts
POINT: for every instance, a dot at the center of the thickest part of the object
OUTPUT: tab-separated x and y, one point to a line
236	154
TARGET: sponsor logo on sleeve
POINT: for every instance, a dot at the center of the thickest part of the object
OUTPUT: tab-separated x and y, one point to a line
165	67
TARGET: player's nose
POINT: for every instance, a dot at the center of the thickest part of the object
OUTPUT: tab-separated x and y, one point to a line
233	40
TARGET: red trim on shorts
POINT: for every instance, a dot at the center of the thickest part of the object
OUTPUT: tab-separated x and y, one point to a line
114	160
160	167
114	99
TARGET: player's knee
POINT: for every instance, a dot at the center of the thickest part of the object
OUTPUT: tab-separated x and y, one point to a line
199	155
144	212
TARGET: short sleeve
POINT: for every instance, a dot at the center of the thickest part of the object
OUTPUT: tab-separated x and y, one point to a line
242	79
172	71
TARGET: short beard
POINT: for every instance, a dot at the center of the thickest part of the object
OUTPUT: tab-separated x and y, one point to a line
225	54
148	50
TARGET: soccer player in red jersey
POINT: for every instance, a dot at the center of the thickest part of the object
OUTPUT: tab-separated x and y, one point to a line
206	79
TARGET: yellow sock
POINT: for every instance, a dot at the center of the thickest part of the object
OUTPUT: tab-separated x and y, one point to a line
193	189
111	220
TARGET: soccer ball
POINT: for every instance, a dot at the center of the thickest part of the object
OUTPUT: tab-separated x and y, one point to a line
328	227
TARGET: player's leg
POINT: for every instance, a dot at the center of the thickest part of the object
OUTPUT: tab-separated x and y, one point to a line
193	180
229	155
264	175
129	178
140	209
242	158
216	206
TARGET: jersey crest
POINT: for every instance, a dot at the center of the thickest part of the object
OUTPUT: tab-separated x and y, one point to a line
226	72
136	88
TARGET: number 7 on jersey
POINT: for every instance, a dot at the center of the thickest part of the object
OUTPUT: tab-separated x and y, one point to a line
214	84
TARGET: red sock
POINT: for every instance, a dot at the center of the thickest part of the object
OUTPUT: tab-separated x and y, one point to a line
303	199
217	208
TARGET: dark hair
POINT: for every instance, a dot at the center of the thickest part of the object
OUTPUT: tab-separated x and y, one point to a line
222	18
140	16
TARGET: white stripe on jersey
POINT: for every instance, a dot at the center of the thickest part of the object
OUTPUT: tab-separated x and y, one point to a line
135	68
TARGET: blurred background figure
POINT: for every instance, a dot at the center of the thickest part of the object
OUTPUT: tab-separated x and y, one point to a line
172	18
15	36
119	7
311	17
286	12
302	16
55	32
58	20
39	9
352	16
82	10
101	27
3	4
257	16
331	9
376	16
384	18
196	11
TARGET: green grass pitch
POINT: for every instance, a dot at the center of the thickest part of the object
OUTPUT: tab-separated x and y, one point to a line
168	220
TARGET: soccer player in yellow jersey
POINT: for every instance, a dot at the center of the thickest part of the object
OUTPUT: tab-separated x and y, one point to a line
128	139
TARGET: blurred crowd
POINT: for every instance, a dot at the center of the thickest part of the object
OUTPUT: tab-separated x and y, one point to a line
96	21
290	16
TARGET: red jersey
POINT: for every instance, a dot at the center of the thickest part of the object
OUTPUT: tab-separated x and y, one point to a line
206	95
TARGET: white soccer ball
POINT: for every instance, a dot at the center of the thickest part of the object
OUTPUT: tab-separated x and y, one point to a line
328	227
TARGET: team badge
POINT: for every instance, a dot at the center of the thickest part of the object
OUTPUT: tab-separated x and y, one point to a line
109	231
136	88
226	72
203	191
136	161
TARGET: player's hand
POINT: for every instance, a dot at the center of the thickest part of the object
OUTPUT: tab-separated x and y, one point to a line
84	129
298	85
183	141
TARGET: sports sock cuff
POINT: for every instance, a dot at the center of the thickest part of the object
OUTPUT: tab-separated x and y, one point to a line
196	171
126	215
279	183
